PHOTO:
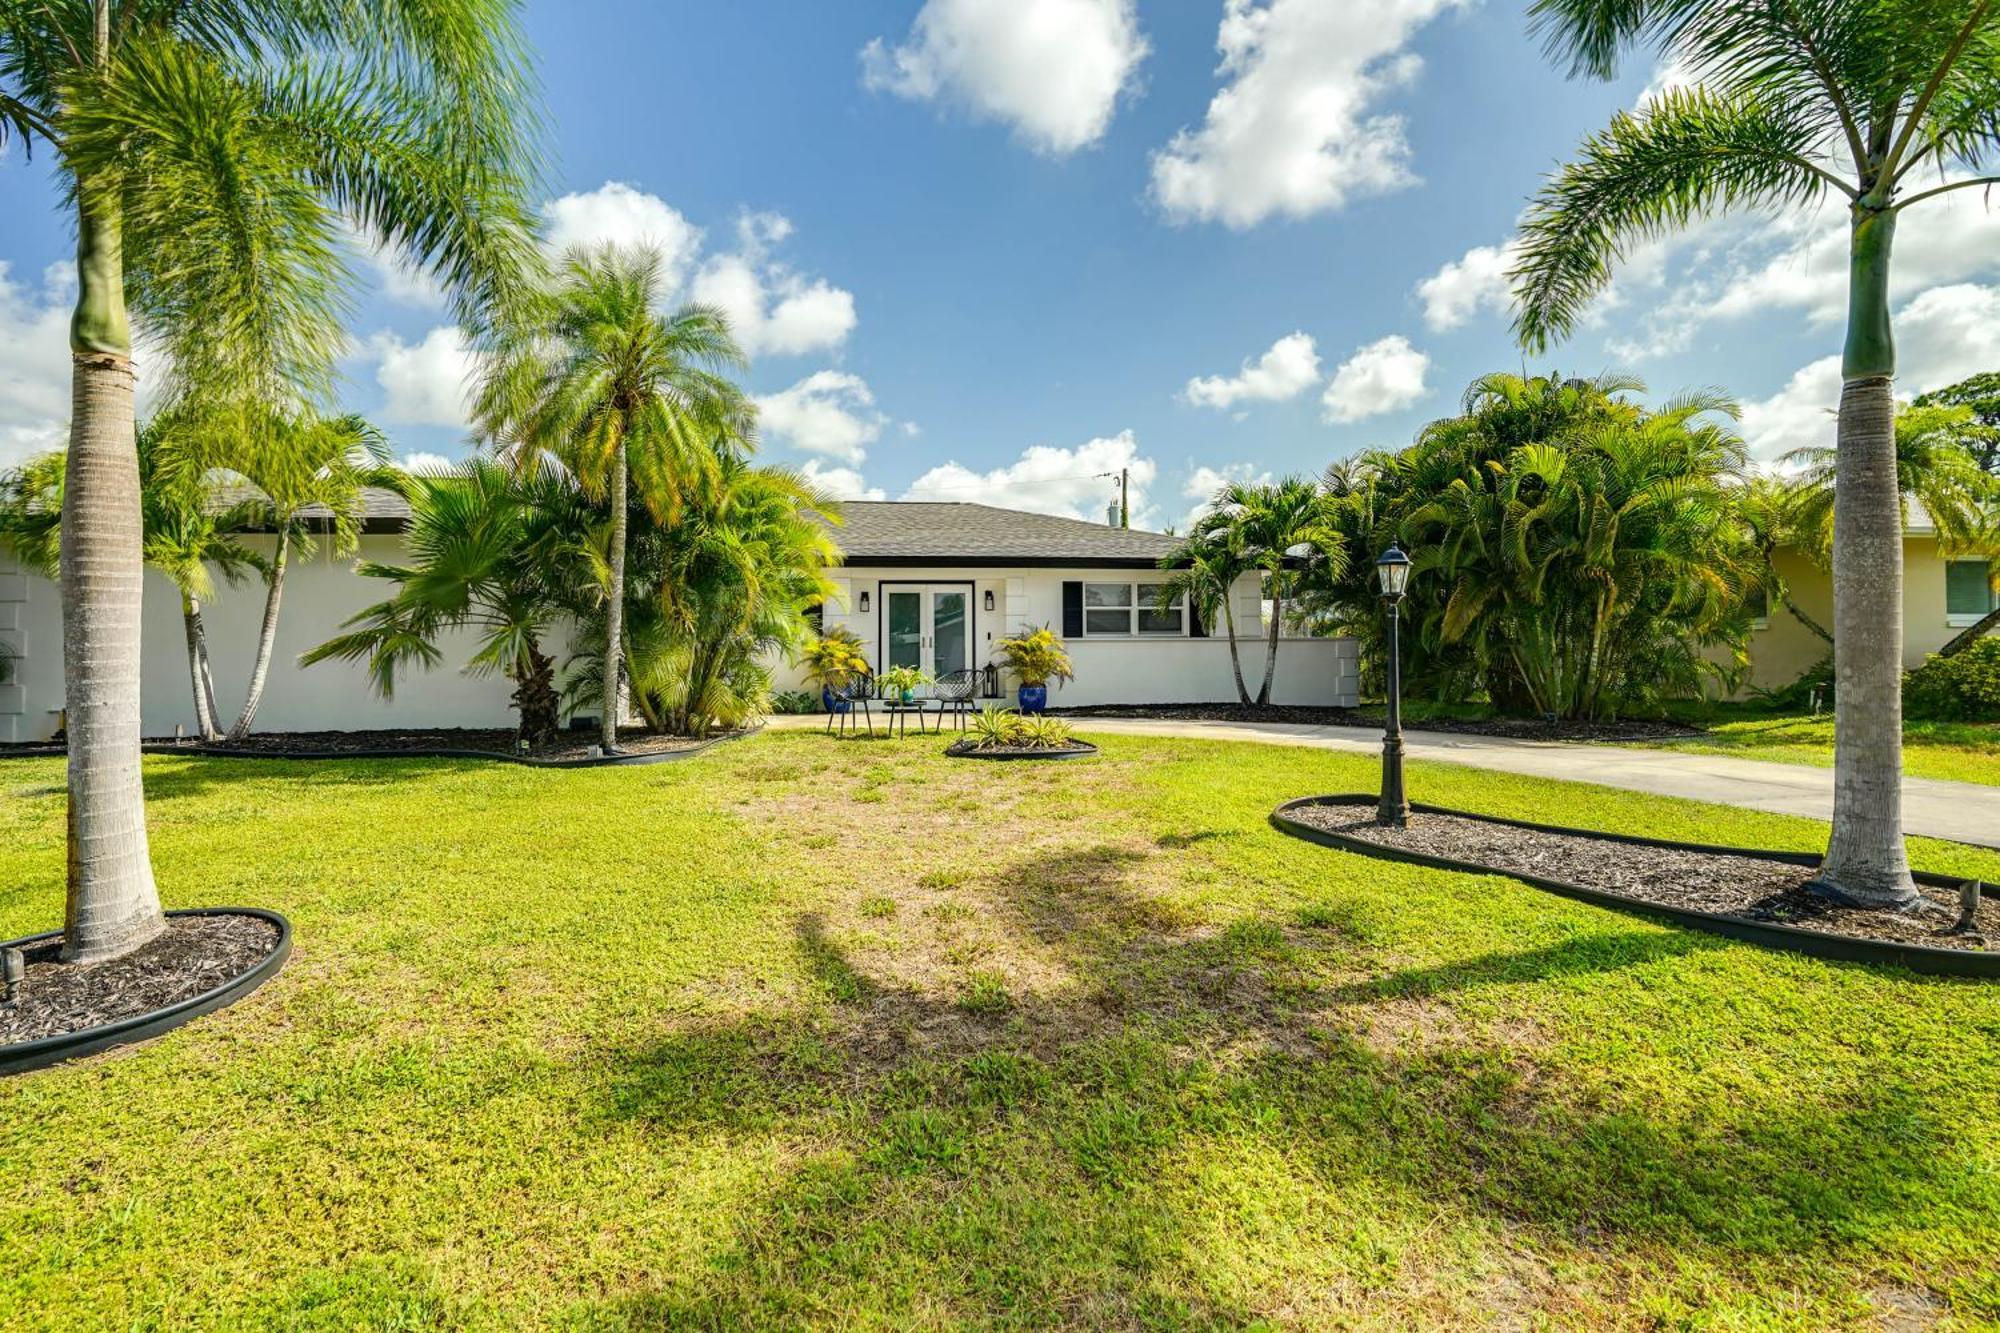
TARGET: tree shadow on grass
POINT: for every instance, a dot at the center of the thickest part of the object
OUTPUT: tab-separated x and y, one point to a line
1043	1162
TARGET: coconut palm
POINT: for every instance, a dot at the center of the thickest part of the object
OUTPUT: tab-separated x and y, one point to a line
1883	103
628	398
213	156
308	471
1202	571
1266	526
491	552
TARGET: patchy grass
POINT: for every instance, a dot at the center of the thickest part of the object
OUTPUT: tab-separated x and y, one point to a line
1953	751
642	1047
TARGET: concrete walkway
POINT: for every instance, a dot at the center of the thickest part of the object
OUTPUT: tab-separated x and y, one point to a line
1961	811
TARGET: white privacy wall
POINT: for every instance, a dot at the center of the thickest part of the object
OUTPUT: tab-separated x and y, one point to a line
1110	670
319	594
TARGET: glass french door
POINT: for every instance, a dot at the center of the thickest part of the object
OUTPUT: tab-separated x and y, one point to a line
928	626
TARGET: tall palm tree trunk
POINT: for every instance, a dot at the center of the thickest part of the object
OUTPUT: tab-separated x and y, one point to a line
204	694
1235	658
1865	859
267	636
1971	634
1271	645
112	905
614	617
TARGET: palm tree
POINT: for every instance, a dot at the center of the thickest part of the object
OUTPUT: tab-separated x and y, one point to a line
1203	570
1770	512
302	464
212	154
187	537
491	552
627	398
724	590
1266	526
1980	395
1792	100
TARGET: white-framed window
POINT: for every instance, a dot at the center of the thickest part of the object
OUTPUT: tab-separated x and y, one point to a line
1968	592
1129	610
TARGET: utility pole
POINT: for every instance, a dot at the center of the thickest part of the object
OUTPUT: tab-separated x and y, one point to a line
1124	497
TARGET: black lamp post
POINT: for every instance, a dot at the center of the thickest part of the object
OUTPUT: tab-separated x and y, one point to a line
1393	568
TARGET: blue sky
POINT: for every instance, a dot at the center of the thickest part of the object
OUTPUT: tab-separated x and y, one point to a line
986	248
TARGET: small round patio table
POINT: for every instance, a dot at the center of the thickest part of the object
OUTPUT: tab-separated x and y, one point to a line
900	714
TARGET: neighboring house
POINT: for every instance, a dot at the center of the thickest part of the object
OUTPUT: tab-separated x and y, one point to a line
938	584
1941	596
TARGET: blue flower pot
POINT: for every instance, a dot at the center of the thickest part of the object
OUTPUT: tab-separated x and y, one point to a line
831	704
1034	698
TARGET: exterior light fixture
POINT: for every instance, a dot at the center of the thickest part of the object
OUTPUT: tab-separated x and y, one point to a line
864	600
1392	567
989	599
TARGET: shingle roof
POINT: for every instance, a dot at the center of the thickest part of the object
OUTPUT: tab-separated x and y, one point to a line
382	510
904	532
911	532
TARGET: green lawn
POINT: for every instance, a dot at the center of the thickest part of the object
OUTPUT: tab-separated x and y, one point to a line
811	1031
1954	751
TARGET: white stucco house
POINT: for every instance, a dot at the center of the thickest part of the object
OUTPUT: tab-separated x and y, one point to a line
925	584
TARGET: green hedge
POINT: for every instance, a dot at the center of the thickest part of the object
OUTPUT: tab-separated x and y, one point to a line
1963	688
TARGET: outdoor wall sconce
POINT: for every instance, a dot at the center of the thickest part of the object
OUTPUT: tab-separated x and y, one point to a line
864	601
989	599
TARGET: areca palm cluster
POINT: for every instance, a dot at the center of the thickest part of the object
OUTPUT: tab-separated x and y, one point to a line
718	594
216	157
1574	554
1878	104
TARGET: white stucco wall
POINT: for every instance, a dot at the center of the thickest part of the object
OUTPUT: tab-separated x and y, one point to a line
319	594
1109	670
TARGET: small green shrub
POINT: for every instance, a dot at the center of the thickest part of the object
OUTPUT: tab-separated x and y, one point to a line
1003	728
794	701
1963	688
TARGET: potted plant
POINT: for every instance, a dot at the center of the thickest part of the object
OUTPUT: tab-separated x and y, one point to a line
832	662
902	681
1036	658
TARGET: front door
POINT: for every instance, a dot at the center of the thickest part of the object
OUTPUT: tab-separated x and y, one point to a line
928	626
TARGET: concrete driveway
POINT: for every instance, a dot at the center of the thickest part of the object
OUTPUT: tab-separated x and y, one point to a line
1960	811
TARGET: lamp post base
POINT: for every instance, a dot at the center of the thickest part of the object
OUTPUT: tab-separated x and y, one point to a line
1394	809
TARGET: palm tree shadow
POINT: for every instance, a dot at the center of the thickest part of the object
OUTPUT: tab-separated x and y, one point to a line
1182	1043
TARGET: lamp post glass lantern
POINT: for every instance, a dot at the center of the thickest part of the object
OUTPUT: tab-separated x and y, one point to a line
1392	567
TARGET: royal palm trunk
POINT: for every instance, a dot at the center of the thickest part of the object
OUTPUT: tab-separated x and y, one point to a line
111	904
1865	859
267	636
614	615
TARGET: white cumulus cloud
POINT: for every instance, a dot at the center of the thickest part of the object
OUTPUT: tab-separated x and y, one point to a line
1049	480
428	383
1468	285
623	215
829	412
1052	69
1385	376
842	483
1288	369
1299	128
1942	336
1201	484
35	363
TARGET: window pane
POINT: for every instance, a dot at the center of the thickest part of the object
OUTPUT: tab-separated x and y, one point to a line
1107	622
1159	622
1107	594
1149	593
1966	590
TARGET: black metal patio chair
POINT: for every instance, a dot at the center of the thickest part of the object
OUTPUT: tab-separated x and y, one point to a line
955	692
858	693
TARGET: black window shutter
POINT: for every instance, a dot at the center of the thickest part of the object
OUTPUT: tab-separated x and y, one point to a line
1072	608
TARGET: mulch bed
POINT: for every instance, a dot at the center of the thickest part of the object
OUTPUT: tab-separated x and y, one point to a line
1752	887
193	956
1514	728
571	745
967	749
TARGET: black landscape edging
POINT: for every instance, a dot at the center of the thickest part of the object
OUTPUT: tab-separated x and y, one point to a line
1818	943
22	1056
1080	750
602	761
